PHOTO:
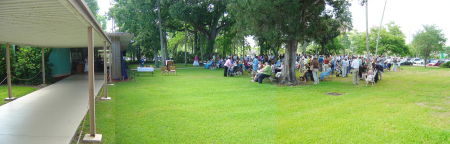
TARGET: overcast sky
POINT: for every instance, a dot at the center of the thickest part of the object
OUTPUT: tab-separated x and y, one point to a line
410	15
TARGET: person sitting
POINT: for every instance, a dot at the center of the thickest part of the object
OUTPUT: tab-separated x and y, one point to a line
234	67
327	72
278	69
263	73
307	73
362	71
272	66
208	63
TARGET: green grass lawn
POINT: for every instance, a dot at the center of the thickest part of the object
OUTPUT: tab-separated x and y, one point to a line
16	91
202	106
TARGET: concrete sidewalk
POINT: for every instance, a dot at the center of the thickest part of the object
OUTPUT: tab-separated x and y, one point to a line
50	115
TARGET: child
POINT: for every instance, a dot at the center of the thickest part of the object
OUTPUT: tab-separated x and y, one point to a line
369	76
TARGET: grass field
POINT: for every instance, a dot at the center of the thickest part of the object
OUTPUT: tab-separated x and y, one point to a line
16	91
202	106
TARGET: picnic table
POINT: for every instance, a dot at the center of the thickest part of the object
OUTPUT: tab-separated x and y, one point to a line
144	69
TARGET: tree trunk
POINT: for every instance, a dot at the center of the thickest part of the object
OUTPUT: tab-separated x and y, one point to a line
210	47
224	53
288	73
304	47
165	44
425	63
196	42
323	47
156	58
185	44
160	36
201	47
345	42
175	51
234	48
316	48
243	47
261	46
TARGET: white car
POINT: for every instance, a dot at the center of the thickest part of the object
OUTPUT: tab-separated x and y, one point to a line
418	61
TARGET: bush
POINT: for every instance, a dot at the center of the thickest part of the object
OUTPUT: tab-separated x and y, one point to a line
26	64
445	65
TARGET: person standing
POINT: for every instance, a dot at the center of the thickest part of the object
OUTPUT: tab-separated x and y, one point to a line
255	65
195	61
226	66
86	66
141	62
344	65
394	68
333	64
320	62
315	71
301	64
355	66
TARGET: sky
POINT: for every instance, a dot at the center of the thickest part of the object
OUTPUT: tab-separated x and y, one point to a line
410	15
104	6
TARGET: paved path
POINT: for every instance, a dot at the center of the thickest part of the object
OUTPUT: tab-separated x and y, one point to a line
50	115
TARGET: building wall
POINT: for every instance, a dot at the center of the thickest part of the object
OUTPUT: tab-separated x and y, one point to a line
116	64
60	58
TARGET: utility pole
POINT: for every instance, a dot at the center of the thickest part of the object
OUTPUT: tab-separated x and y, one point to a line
379	29
367	28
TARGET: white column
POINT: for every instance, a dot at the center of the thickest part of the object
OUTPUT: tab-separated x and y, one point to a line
8	75
43	67
105	74
92	137
110	65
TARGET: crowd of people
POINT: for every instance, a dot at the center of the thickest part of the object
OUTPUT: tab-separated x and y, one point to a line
361	68
263	66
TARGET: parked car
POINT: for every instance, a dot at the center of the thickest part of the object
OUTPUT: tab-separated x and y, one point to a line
418	61
435	63
407	63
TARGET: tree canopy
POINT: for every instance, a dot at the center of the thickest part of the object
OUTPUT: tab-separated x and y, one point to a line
392	41
429	40
93	6
285	21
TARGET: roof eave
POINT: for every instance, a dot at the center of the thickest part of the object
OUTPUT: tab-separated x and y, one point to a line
83	8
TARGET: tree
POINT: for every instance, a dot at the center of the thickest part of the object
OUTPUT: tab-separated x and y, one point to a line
292	21
207	17
141	18
93	6
392	40
429	40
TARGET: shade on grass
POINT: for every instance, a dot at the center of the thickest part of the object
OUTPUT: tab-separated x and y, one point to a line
202	106
16	91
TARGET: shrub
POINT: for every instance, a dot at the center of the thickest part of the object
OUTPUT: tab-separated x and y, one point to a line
445	65
26	64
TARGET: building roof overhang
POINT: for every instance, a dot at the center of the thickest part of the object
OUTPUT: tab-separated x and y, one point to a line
125	39
48	23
